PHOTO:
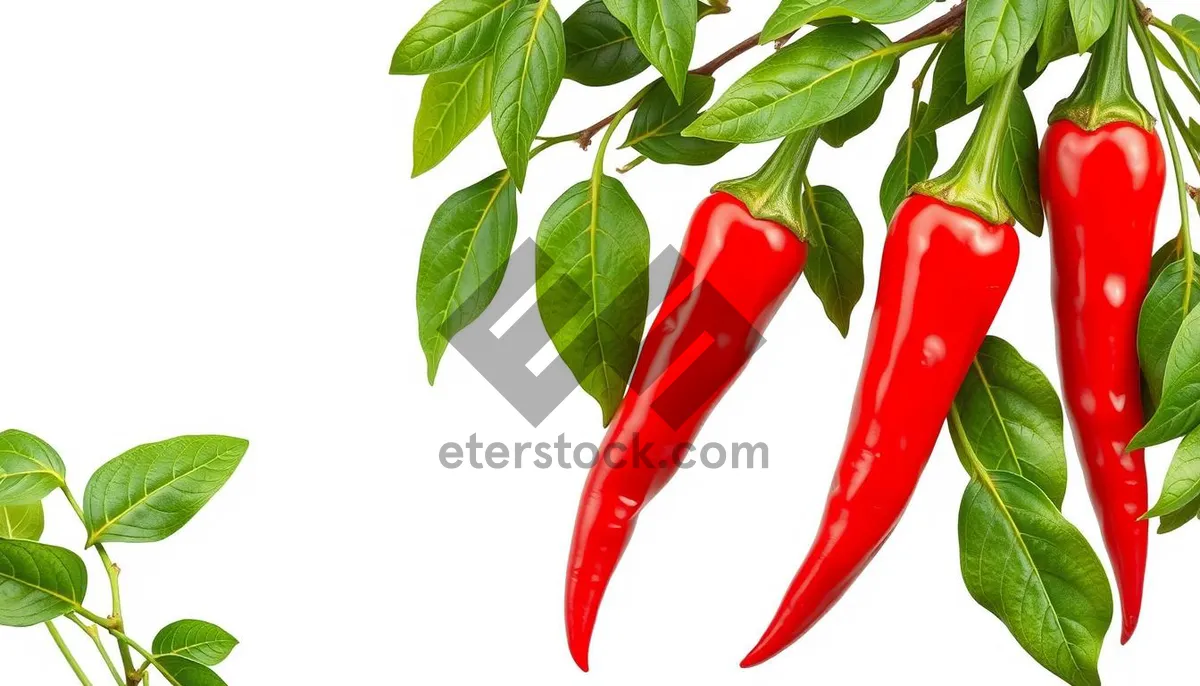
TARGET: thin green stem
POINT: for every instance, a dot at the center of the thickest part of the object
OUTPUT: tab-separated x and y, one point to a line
94	634
1182	126
1168	60
66	652
128	642
632	164
598	167
1184	244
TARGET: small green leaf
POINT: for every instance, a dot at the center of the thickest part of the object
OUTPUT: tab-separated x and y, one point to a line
948	99
1188	42
1182	484
998	34
915	158
1091	19
665	32
29	468
180	671
600	49
453	104
1019	179
463	260
820	77
839	131
1178	518
148	493
1030	567
793	14
660	119
24	522
1057	39
195	640
38	582
453	33
592	285
1179	411
1013	419
529	64
835	253
1161	316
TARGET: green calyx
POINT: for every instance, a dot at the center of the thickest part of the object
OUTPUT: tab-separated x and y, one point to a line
973	182
1105	93
776	192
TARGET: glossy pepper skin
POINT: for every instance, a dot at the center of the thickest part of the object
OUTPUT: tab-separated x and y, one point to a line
1102	190
945	272
734	273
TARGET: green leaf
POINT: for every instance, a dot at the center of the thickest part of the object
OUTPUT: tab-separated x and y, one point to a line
660	119
38	582
1179	411
835	253
463	260
530	60
820	77
195	640
1091	19
22	521
29	468
453	33
1182	484
665	32
1178	518
180	671
453	104
793	14
837	132
148	493
1161	316
1013	419
1188	42
1030	567
1019	179
998	33
600	49
1057	39
592	285
948	99
915	158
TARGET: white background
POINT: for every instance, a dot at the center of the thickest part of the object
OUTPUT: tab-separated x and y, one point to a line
207	225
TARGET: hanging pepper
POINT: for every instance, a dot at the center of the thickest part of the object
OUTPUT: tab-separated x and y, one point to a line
1103	173
949	257
741	256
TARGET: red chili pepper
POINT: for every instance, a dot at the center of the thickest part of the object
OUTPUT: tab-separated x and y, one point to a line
734	273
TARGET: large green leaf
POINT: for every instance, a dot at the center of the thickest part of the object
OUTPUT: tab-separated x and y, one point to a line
195	640
793	14
29	468
180	671
22	521
656	127
1091	19
1161	316
463	260
1030	567
1179	411
592	285
148	493
916	155
820	77
600	49
1013	419
834	269
1019	179
1057	39
1188	41
839	131
38	582
1182	483
998	33
948	97
453	33
665	32
530	60
453	104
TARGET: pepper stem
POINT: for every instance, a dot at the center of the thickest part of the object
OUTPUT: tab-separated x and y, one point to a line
972	183
776	192
1105	93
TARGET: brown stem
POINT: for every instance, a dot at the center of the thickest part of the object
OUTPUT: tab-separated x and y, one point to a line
1194	192
947	22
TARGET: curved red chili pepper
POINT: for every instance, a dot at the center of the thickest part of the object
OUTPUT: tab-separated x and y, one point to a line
944	274
1102	190
734	273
